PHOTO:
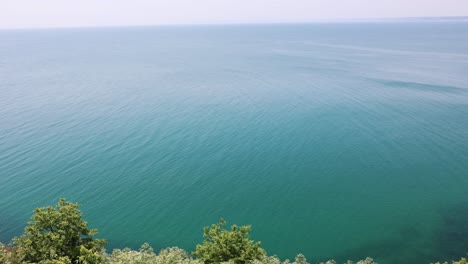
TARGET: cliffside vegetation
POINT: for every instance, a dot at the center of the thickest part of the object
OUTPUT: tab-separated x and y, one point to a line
59	235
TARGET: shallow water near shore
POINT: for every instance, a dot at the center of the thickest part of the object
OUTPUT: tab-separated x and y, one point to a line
340	140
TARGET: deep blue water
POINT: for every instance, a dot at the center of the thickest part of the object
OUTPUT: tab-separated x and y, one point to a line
340	140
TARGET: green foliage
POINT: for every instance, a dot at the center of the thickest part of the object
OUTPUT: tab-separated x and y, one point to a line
268	260
300	259
146	255
221	245
59	235
3	253
175	255
365	261
10	255
60	260
461	261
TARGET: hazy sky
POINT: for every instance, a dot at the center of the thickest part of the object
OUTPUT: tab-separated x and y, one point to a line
73	13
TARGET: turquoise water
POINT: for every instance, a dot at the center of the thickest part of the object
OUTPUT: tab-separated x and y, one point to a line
332	140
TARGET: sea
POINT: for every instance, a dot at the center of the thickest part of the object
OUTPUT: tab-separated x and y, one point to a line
338	140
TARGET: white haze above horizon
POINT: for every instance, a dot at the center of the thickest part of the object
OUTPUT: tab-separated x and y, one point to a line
95	13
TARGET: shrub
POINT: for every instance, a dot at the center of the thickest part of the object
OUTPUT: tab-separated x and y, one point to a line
146	255
461	261
268	260
10	255
175	255
60	235
365	261
126	255
221	245
3	253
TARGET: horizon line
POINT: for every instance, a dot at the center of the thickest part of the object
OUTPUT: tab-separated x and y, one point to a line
318	21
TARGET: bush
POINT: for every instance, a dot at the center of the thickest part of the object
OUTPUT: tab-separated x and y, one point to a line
175	255
365	261
221	245
300	259
146	255
10	255
60	235
461	261
3	253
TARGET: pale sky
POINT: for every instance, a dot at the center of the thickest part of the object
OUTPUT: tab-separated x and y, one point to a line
89	13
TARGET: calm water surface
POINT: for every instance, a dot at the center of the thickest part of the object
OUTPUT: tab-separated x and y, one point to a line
332	140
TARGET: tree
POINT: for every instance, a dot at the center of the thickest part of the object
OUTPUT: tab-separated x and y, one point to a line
60	235
222	245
